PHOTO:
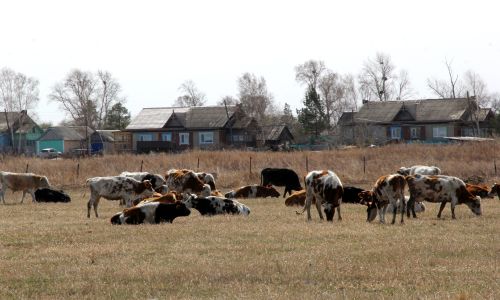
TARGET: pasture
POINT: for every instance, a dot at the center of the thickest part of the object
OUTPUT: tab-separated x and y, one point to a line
54	251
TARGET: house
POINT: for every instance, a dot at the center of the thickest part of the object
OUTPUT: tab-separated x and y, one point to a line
64	138
18	132
103	141
122	141
180	128
275	135
427	121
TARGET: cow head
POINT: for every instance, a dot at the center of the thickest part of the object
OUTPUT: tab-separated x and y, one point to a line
475	205
404	171
495	189
181	209
368	198
145	188
44	182
190	200
329	211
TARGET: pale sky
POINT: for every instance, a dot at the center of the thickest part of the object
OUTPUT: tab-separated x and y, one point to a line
151	47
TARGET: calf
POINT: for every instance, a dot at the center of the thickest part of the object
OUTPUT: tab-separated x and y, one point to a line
116	188
422	170
388	189
326	187
440	188
184	181
152	213
26	182
51	195
297	198
281	177
253	191
209	206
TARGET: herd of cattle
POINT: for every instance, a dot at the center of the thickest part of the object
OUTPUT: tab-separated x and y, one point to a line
153	198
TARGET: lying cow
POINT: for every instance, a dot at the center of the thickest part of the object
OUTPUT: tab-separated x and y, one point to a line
297	198
209	206
281	177
152	213
25	182
326	188
167	198
184	181
116	188
388	189
422	170
51	195
440	188
253	191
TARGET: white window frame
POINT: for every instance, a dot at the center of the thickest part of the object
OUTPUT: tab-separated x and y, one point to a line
166	134
439	131
396	133
206	137
186	138
145	137
415	132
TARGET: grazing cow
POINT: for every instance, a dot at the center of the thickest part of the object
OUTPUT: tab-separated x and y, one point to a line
116	188
440	188
26	182
184	181
253	191
281	177
388	189
51	195
327	188
480	190
152	213
422	170
209	206
157	181
495	189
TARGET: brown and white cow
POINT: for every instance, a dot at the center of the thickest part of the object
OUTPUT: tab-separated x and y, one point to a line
25	182
388	189
441	188
152	213
297	198
116	188
418	169
167	198
326	187
184	181
480	190
253	191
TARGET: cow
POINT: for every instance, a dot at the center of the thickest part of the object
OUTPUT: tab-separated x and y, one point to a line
206	178
297	198
253	191
209	206
418	169
152	213
351	195
388	189
157	181
25	182
495	189
326	187
51	195
184	181
419	206
116	188
167	198
281	177
441	188
480	190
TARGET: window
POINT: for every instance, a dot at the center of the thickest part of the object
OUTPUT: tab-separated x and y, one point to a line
184	138
166	137
206	137
438	132
415	132
145	137
396	133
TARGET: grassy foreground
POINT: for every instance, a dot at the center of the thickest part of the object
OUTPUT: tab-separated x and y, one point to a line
52	251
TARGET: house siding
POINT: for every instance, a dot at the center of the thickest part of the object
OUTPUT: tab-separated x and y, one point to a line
56	144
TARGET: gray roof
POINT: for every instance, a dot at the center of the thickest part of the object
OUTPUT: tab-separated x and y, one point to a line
273	132
66	133
431	110
208	116
13	117
154	117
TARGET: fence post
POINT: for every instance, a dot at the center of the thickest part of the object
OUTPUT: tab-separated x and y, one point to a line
250	165
364	164
307	164
27	166
78	170
142	163
495	164
198	165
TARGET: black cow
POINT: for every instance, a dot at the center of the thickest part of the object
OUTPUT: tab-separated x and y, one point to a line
281	177
51	195
152	213
351	195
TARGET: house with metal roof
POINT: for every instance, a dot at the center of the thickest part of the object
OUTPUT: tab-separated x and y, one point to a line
430	120
199	127
18	132
274	136
64	138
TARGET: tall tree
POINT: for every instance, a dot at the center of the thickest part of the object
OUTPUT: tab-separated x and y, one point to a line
191	96
312	116
228	100
254	96
309	72
328	87
108	90
447	88
18	92
377	76
118	117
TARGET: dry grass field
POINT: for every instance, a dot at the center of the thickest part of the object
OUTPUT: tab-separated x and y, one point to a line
52	251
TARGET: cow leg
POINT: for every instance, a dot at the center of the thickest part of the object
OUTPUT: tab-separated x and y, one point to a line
308	206
381	214
286	190
33	199
453	210
411	206
443	204
338	210
318	207
403	208
93	201
2	195
22	198
394	212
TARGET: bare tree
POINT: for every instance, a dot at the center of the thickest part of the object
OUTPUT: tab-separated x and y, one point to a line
495	102
191	95
309	72
403	88
450	88
228	100
329	90
377	78
254	96
17	93
108	91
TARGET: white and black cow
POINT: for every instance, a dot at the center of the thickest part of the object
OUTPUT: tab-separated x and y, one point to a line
152	213
25	182
441	188
326	187
116	188
419	169
281	177
388	189
51	195
209	206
